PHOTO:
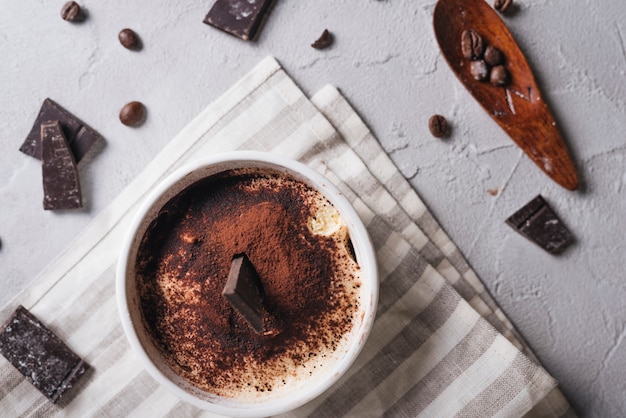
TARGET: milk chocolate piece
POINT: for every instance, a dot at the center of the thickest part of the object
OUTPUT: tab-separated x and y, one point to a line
539	223
79	135
244	292
240	18
40	355
61	185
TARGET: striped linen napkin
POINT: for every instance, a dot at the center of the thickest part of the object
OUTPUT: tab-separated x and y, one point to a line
440	346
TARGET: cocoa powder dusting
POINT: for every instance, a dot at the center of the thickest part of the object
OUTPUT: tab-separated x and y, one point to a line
183	264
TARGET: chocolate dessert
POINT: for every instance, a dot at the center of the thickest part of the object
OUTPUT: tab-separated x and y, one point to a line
299	248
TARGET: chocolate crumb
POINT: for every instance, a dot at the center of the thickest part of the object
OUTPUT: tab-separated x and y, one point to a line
324	41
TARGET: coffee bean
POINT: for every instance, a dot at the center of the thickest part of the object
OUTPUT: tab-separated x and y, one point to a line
129	39
72	12
479	70
502	5
438	126
499	76
471	44
493	56
133	114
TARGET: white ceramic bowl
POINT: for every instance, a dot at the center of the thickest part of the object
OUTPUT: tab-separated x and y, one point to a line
130	311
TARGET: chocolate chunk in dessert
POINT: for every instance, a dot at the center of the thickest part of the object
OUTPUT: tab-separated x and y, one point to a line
244	292
539	223
46	361
80	136
239	18
61	185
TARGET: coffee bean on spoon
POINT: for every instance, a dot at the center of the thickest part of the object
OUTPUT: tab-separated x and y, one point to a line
499	76
479	70
493	56
471	44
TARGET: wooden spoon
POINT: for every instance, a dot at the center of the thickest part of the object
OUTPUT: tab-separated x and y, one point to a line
517	107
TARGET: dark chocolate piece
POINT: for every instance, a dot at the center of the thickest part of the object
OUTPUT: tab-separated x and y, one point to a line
40	355
80	136
540	224
61	186
244	292
240	18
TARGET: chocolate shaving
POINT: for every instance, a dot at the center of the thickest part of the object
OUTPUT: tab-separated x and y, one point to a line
61	185
238	18
40	355
539	223
79	135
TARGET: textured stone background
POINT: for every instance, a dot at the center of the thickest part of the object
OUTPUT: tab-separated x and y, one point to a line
386	61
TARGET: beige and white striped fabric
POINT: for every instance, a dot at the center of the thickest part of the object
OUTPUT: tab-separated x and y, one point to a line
440	346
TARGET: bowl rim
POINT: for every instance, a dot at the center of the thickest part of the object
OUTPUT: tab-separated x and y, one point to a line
361	241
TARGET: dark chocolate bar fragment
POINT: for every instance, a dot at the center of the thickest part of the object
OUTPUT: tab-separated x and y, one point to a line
40	355
79	135
61	186
539	223
244	292
240	18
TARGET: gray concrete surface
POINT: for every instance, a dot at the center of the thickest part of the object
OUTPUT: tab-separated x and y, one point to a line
385	60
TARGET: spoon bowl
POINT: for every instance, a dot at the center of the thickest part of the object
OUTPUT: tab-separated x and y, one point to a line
517	107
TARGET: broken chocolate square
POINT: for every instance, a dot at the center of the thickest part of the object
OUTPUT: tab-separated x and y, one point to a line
79	135
539	223
244	292
61	186
240	18
40	355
